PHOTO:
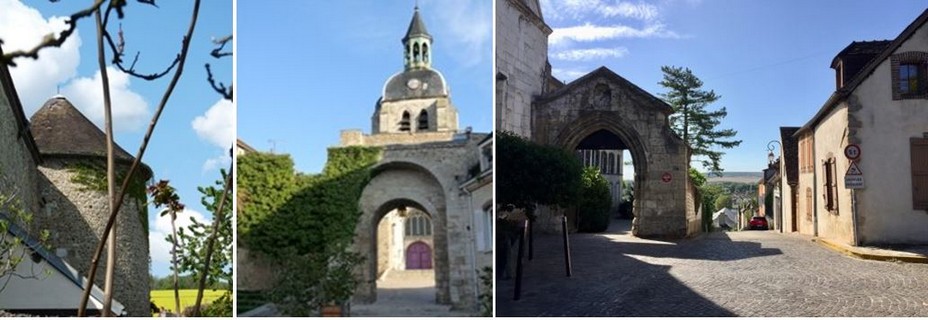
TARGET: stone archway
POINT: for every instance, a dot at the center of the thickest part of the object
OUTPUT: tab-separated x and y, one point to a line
393	185
604	101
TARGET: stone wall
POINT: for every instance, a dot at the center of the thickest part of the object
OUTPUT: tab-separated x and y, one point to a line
602	100
76	215
358	138
426	177
253	270
521	58
18	175
443	116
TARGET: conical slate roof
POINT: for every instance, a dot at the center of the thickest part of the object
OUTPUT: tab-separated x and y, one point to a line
416	28
60	129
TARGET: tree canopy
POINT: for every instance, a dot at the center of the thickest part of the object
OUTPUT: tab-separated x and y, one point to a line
691	119
530	174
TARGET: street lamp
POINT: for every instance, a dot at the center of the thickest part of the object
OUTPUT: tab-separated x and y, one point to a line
770	147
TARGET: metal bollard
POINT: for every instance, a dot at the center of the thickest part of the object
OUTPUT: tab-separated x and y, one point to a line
518	291
566	245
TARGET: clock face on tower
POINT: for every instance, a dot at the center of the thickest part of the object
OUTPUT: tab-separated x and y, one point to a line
413	83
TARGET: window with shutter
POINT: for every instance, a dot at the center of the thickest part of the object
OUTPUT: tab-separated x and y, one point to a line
919	150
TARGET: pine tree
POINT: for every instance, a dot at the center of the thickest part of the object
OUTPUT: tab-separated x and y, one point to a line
692	121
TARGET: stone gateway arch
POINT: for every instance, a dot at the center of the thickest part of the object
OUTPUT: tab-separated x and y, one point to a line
602	108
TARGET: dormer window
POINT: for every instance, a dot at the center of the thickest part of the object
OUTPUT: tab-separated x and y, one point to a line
404	122
910	75
423	121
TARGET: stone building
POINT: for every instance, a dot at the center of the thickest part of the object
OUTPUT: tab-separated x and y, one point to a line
880	104
598	114
55	164
429	203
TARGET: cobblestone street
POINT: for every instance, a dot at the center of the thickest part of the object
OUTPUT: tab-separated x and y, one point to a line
748	273
405	293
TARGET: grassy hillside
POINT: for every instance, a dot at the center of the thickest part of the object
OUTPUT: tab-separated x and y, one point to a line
165	298
737	176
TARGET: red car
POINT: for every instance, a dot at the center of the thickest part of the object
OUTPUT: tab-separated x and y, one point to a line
758	223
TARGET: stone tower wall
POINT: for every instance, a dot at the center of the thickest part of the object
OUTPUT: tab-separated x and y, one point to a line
76	216
17	167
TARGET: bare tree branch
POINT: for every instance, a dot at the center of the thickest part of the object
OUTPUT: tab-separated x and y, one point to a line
219	87
50	40
92	272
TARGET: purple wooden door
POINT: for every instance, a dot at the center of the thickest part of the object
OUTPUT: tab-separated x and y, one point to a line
418	256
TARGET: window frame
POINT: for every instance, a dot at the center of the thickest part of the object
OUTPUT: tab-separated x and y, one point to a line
898	62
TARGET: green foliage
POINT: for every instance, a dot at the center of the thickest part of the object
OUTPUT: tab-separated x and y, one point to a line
309	281
486	292
221	307
92	176
531	174
13	248
692	121
305	223
697	178
264	182
184	282
595	201
722	202
195	238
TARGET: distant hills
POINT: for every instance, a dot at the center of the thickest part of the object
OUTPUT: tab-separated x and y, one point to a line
737	176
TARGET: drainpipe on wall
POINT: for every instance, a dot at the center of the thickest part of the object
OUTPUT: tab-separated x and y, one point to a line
854	217
814	188
473	246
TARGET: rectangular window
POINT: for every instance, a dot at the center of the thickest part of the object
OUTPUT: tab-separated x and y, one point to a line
831	186
809	204
908	79
919	149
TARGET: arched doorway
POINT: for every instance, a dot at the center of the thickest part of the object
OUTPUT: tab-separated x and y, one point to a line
603	111
401	192
418	256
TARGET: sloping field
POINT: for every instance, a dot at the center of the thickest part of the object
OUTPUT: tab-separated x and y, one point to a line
165	298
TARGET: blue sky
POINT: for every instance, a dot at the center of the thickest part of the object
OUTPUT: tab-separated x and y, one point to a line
309	69
769	60
183	149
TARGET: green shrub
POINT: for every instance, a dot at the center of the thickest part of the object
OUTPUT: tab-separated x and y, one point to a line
595	201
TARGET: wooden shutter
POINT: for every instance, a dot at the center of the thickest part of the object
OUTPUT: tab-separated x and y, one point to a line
919	150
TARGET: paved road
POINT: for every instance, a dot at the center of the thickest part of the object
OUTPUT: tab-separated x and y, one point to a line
405	293
748	273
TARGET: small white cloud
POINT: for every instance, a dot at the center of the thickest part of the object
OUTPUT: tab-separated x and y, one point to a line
130	110
568	75
22	28
591	54
584	9
215	163
469	28
159	248
217	125
589	32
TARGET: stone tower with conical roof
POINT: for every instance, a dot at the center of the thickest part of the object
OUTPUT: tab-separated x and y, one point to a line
416	100
75	206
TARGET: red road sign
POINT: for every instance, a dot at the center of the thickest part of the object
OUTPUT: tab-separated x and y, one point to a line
666	177
852	152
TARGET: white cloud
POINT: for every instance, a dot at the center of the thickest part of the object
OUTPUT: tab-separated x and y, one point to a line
591	54
215	163
589	33
217	125
23	27
568	75
582	9
130	110
159	248
468	28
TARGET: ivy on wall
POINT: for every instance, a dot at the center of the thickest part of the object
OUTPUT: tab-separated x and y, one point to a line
91	175
282	212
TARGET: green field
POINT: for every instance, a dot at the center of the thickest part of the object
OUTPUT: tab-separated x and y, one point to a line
165	298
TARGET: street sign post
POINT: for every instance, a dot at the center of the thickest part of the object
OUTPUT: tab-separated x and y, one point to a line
853	178
852	152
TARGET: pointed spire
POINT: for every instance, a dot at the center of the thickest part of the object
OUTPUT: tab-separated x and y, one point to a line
416	27
417	44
